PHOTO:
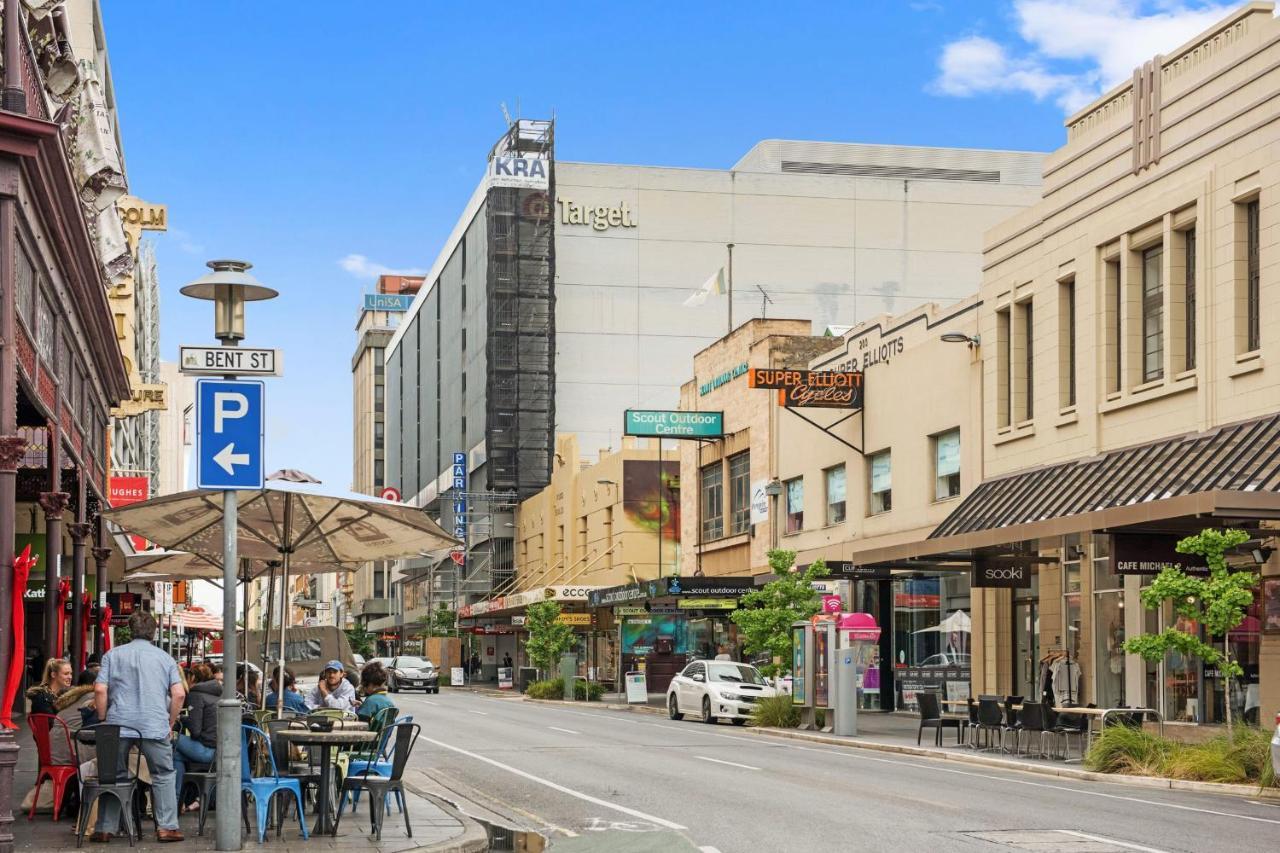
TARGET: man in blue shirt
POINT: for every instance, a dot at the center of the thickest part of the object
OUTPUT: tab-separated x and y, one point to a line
139	687
293	700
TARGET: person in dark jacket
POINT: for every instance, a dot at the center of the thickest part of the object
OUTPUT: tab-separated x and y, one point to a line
196	744
56	681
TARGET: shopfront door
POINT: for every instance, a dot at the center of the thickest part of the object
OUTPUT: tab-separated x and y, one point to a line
1026	648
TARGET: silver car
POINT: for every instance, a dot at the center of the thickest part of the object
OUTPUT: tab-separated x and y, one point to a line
409	672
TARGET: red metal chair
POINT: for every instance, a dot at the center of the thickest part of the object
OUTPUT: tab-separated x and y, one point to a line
42	729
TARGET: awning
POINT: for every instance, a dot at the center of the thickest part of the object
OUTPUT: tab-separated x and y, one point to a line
198	620
1231	473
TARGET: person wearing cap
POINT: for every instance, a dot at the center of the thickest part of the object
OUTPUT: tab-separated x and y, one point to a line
333	689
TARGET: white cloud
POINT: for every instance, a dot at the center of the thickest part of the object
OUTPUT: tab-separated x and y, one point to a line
361	267
1071	50
185	242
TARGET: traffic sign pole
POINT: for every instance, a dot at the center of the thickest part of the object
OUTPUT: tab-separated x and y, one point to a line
227	828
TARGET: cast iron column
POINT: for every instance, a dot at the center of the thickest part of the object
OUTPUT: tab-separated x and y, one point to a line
53	504
11	449
100	557
79	531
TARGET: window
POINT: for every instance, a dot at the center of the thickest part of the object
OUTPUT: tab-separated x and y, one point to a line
379	435
1028	362
379	362
835	494
26	286
379	473
881	482
379	581
1253	280
379	396
946	465
795	504
712	489
1190	319
739	493
1067	343
1115	344
44	329
1152	314
1004	368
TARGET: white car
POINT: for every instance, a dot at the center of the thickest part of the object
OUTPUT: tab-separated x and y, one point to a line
717	689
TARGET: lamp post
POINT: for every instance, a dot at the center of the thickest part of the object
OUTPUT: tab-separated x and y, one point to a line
229	286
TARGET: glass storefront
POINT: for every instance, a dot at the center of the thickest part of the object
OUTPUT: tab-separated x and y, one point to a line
1108	628
932	637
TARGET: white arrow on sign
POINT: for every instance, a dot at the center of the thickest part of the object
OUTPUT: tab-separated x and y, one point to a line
227	458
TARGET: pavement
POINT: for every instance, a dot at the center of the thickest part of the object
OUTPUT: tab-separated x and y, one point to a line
438	827
589	778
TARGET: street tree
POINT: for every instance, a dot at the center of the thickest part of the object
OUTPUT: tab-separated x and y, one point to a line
361	642
765	615
549	638
1219	602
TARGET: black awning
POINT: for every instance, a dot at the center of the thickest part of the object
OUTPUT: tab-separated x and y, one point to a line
1242	458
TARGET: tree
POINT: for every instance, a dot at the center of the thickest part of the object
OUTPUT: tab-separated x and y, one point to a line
765	615
1219	602
441	623
361	642
549	638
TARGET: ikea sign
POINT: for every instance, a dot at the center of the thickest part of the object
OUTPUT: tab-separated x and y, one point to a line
506	170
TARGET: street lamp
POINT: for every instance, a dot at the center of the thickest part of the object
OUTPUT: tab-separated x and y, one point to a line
962	338
229	286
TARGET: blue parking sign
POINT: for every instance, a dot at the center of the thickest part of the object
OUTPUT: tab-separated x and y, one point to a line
229	434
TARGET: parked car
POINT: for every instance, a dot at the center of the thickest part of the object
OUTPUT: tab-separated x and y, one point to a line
359	659
1275	748
409	672
717	690
962	659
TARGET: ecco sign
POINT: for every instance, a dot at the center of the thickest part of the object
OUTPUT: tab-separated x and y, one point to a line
1001	575
523	172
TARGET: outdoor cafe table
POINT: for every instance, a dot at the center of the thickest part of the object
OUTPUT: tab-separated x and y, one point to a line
346	734
1090	714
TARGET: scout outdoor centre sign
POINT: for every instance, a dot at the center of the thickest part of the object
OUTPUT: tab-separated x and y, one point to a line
823	389
666	424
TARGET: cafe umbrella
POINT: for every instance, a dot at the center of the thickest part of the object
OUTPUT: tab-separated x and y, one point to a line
291	519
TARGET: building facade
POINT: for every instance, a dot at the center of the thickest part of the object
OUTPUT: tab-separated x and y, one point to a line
569	292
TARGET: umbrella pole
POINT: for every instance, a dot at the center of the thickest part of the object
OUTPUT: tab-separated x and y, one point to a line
284	617
271	609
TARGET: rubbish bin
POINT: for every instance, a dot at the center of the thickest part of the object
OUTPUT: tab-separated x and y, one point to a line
528	675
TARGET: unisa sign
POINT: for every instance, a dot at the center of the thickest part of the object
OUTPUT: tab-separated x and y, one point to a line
525	172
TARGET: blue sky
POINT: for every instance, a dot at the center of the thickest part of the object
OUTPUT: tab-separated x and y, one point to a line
323	143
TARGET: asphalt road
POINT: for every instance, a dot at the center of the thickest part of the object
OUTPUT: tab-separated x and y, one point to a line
593	779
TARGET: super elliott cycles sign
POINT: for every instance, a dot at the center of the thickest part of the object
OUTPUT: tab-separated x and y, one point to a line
825	389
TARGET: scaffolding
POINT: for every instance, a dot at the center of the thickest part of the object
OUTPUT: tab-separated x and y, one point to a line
489	520
520	346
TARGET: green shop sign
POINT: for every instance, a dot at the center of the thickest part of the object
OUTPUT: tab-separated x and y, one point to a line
723	379
658	424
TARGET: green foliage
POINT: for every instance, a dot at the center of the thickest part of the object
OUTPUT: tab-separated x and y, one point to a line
775	712
553	688
362	642
122	635
1243	757
548	638
442	623
1218	602
765	615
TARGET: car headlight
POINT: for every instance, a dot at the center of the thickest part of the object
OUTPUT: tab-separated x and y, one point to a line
732	697
398	673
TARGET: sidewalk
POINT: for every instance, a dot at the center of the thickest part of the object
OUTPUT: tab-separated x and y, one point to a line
437	826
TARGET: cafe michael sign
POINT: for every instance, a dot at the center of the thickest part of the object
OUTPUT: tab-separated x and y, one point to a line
819	389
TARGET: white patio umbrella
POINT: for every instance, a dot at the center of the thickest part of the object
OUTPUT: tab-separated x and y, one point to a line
958	621
291	520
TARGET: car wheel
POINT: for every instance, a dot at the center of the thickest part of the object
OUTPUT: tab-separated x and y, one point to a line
739	721
673	707
706	711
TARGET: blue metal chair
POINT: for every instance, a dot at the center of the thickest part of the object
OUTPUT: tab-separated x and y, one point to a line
263	789
381	764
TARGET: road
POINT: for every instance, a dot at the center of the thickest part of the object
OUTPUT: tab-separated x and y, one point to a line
593	779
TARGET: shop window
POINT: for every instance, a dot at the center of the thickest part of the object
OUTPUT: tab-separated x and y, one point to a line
1067	343
946	465
739	493
711	487
1108	627
881	485
794	490
835	487
1189	298
932	637
1072	554
1152	314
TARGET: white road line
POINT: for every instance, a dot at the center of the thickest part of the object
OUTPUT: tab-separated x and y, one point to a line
707	848
481	713
566	731
556	786
730	763
428	702
1101	840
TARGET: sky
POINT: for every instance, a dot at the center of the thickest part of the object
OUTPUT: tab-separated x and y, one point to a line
329	142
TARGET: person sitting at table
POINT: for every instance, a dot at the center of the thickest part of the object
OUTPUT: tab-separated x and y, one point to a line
67	706
196	745
373	681
56	681
293	700
333	689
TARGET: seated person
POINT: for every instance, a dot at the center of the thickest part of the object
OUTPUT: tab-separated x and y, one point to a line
196	746
373	680
333	690
293	700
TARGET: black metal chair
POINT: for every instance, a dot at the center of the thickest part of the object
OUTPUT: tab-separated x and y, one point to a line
971	725
991	719
1032	721
401	737
931	717
111	752
1012	726
205	779
1063	726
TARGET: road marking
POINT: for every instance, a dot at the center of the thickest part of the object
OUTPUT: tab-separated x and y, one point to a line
555	786
707	848
481	713
428	702
566	731
730	763
1100	839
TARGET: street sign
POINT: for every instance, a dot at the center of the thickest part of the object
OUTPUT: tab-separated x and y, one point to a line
669	424
227	361
229	434
391	493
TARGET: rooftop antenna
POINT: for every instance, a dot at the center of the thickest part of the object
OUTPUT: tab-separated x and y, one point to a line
765	301
506	115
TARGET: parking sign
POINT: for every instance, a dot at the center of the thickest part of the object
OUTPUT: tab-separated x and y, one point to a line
229	434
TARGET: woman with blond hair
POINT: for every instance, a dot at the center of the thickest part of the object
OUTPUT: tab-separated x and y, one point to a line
56	681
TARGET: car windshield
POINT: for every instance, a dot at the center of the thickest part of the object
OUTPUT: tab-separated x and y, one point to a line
738	673
412	663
